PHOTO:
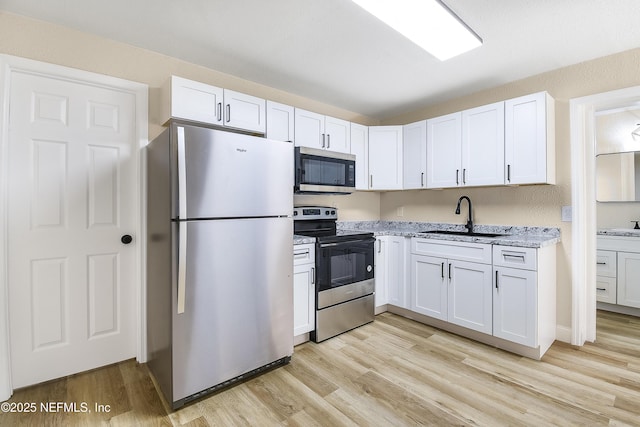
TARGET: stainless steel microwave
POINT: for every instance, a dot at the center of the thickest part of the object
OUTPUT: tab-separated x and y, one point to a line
322	171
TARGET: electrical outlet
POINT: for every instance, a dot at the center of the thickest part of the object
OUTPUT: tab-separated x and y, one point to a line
400	211
566	213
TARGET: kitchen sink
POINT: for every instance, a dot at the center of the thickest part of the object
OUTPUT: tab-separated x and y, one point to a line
462	233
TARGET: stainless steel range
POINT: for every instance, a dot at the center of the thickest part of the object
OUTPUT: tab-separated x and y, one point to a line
345	281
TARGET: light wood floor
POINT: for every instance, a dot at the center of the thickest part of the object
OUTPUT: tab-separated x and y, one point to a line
391	372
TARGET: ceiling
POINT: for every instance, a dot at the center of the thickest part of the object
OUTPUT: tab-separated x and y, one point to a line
336	53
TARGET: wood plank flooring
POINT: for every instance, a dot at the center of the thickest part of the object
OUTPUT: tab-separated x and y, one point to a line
391	372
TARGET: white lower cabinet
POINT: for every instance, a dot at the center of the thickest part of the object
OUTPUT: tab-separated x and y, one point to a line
629	279
391	271
524	309
455	288
505	293
304	303
618	273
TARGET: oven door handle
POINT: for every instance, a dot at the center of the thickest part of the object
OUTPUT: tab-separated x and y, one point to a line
350	242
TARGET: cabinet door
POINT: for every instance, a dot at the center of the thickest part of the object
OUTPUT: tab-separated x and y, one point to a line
606	289
529	134
396	268
360	147
309	129
385	157
195	101
414	147
606	263
515	306
337	134
380	272
444	145
429	286
242	111
470	296
303	299
483	145
280	119
629	279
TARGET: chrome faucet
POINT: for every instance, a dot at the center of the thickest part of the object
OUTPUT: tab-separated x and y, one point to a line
470	221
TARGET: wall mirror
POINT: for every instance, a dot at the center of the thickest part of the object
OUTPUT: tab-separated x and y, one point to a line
618	155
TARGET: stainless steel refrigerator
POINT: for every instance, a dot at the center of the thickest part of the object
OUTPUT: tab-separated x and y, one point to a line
219	258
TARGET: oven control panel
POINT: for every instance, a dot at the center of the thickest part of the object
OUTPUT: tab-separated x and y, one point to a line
314	212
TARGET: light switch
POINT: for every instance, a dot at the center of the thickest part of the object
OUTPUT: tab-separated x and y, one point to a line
566	213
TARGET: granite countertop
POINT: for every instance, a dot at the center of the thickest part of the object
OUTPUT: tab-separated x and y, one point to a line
619	232
528	237
303	240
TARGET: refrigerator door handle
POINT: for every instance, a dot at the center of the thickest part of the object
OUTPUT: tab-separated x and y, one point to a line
182	175
182	265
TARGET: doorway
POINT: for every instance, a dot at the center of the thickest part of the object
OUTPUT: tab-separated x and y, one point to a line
582	124
71	178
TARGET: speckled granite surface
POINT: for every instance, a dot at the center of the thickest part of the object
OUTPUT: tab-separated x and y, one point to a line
528	237
619	232
302	240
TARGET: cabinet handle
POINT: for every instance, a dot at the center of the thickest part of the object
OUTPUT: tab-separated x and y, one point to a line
328	141
496	279
449	271
219	112
228	113
457	176
442	270
601	289
520	257
313	275
323	146
371	181
508	173
601	263
379	246
464	175
422	179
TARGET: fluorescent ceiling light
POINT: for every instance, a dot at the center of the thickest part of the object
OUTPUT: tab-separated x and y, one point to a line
428	23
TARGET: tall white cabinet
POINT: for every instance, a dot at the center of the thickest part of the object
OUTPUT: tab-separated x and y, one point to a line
414	162
385	157
530	140
304	294
360	148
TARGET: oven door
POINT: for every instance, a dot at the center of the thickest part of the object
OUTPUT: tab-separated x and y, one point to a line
344	263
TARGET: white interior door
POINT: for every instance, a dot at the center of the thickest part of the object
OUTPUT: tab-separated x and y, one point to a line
72	183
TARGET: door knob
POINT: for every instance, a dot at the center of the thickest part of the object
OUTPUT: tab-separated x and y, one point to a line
126	239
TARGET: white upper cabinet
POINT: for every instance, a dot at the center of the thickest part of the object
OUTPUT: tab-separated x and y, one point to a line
414	147
360	148
242	111
322	132
338	134
444	151
187	99
191	100
466	148
483	145
530	140
385	157
280	121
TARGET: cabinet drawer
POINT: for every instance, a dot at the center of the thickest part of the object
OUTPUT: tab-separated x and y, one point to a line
304	254
463	251
510	256
606	289
606	263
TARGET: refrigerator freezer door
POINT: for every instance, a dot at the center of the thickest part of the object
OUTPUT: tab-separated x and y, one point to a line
228	175
238	311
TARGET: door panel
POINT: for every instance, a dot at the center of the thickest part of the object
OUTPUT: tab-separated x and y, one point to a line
238	312
235	175
429	286
72	181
